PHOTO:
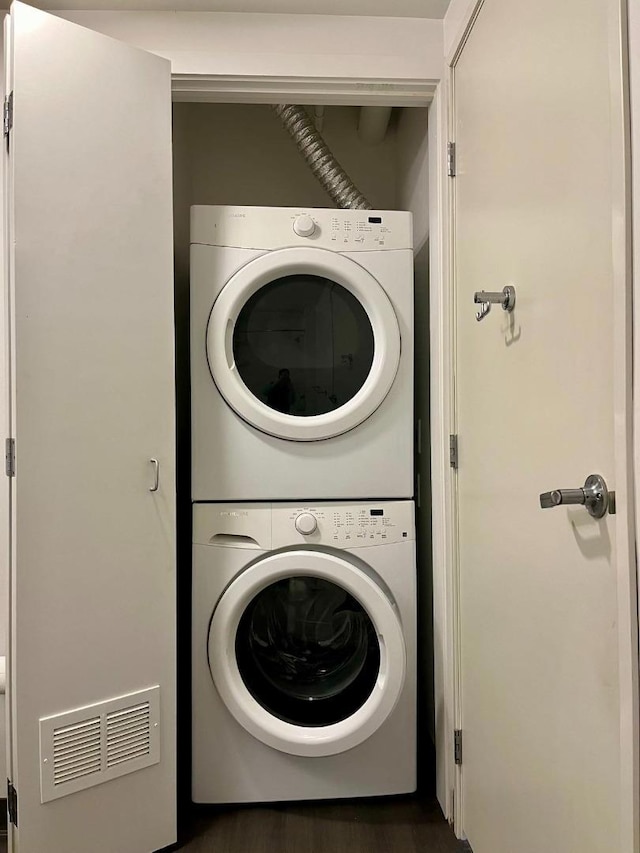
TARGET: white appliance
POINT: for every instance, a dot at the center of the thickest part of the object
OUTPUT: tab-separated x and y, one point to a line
301	353
304	651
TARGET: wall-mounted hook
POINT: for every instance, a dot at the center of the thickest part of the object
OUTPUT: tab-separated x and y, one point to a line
505	298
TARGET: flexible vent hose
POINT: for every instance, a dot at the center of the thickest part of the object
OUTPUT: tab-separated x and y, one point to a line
319	157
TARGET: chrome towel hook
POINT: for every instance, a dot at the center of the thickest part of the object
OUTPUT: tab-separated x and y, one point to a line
485	298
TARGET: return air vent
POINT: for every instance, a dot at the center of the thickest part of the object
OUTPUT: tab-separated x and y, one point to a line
128	734
77	751
96	743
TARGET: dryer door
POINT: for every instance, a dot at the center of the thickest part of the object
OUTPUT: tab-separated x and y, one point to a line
307	651
303	343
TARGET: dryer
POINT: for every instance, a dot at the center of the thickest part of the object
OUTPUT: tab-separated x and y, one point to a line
303	651
301	353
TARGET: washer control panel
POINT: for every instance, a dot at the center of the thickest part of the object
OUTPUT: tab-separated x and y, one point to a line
280	227
265	527
342	525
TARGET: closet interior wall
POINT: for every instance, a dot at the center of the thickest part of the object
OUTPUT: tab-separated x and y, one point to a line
240	154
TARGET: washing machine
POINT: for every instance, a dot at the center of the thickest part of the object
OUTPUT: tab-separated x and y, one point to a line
301	353
304	651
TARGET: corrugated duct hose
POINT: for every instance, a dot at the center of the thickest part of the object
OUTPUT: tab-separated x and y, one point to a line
319	157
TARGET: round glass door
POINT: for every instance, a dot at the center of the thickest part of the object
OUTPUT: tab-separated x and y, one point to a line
307	652
303	344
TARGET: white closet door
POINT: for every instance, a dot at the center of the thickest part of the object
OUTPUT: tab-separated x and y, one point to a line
92	374
548	618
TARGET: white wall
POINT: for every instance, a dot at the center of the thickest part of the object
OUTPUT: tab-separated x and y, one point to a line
403	8
241	154
455	21
413	172
323	46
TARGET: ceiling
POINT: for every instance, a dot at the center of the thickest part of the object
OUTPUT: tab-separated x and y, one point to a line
387	8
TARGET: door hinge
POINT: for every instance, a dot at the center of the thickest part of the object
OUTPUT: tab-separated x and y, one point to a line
451	159
453	451
7	121
457	746
10	457
12	803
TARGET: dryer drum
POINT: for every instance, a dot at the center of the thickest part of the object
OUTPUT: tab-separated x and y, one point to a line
303	345
307	651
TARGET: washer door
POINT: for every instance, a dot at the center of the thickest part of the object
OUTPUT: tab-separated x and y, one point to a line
307	652
303	344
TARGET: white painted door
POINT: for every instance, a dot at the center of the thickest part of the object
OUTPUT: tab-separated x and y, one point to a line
547	640
92	379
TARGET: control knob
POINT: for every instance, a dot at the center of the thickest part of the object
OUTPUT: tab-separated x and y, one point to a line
304	226
306	523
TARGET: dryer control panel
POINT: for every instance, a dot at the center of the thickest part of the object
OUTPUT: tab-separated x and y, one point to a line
342	525
280	227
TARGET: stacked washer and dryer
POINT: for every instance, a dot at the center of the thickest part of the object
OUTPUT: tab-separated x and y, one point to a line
304	567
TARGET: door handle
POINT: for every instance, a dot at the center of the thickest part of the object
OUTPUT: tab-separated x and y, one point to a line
156	475
485	299
594	495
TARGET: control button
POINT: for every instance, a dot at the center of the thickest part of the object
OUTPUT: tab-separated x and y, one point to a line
306	523
304	226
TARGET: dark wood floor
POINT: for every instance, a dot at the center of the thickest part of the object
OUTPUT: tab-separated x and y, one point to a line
394	825
389	825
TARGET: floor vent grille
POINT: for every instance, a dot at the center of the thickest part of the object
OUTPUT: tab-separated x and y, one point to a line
97	743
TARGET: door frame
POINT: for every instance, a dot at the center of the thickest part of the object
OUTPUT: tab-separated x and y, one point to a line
627	477
268	89
433	95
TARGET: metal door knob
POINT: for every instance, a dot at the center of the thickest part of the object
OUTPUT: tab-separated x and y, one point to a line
594	495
